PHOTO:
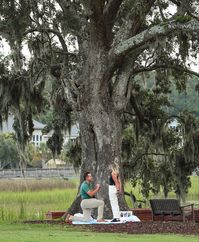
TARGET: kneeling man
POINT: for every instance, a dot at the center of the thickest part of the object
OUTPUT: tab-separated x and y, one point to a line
89	201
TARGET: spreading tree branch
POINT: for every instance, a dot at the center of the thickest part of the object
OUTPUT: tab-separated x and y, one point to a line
49	30
133	21
131	25
149	35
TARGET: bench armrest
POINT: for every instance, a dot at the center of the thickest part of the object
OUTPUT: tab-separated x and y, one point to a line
189	205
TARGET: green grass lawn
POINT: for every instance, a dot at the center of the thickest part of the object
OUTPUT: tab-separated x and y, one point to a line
55	233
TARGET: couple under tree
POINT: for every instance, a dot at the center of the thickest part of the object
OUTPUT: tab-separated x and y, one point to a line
89	201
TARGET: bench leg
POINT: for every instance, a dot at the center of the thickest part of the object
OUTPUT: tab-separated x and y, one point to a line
183	217
193	214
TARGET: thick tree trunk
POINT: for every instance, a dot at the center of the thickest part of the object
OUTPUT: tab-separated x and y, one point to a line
88	157
100	123
101	137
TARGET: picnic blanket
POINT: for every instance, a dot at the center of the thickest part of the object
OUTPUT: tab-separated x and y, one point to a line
108	221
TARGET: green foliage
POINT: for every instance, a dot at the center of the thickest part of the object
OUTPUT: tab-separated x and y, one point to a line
187	99
154	154
166	160
55	142
38	155
22	99
183	18
45	117
72	153
60	123
9	157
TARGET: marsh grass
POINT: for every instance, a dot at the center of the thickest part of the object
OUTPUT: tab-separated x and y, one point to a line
20	201
16	206
20	185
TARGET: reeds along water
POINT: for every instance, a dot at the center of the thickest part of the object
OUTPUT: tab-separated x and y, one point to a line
18	202
21	185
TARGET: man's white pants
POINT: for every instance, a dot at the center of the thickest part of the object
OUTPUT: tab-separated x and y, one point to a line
114	201
87	205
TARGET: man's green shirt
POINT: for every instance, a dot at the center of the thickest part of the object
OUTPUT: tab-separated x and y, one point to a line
85	187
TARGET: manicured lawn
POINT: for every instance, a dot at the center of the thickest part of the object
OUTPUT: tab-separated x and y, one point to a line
54	233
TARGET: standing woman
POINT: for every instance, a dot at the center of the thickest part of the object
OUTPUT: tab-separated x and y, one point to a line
114	190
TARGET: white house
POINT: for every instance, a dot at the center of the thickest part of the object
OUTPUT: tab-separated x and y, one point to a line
37	136
72	135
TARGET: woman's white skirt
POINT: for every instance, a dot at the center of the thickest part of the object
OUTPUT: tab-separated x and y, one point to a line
114	201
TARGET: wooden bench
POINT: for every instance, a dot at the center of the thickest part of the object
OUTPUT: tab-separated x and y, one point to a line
166	207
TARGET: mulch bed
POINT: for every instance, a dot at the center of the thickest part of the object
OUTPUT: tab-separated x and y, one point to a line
150	228
187	228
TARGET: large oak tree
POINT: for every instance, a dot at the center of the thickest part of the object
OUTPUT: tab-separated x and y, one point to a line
93	49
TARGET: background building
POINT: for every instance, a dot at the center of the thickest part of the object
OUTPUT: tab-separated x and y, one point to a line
37	136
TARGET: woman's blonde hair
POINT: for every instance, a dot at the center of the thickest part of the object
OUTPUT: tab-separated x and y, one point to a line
114	167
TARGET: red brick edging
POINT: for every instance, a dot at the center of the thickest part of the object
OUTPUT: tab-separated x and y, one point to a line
144	214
